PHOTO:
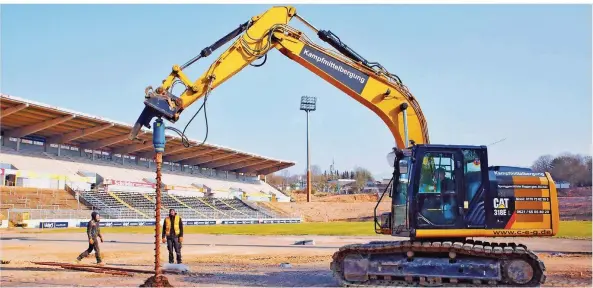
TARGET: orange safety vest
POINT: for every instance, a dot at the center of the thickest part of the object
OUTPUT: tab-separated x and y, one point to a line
175	225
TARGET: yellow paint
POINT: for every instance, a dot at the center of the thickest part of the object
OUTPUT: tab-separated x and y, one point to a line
182	203
211	206
227	204
553	203
545	223
258	194
125	203
434	233
185	188
290	42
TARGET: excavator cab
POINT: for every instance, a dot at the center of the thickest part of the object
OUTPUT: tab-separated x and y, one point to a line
442	198
437	188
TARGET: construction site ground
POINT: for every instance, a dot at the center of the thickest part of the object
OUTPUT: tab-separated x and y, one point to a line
575	204
229	260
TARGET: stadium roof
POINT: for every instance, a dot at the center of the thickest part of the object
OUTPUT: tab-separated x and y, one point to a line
21	118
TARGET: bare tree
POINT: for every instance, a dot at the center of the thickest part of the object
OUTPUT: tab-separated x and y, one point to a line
315	170
543	163
362	176
575	169
275	180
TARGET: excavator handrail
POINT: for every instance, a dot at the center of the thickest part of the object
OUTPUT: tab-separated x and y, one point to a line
378	222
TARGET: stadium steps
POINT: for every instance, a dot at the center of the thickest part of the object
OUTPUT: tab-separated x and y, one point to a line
180	202
154	201
211	206
126	204
227	204
258	208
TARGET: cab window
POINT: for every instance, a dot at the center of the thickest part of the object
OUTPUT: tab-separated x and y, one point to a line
472	173
437	189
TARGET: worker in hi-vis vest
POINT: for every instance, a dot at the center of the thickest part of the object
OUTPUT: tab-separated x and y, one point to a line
173	234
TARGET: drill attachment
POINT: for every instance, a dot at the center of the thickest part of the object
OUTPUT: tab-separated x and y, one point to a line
165	105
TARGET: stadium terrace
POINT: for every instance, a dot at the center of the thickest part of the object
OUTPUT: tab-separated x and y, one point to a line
88	163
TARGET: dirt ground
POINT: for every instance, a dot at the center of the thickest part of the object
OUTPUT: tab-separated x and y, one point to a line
318	212
229	261
575	204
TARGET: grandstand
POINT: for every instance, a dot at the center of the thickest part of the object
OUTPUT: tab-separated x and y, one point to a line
90	159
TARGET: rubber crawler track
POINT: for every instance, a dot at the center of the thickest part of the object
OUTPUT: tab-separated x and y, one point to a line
502	251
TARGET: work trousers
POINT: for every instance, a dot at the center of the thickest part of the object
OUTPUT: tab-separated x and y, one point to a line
173	243
94	246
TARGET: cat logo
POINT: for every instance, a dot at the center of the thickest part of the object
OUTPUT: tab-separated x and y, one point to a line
501	203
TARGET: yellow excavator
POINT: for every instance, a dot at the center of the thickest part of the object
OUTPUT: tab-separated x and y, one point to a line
444	198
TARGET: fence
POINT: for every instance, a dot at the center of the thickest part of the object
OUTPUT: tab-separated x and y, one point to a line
36	198
28	201
41	214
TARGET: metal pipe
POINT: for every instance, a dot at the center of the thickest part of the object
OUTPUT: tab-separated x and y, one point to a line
404	108
158	141
308	163
157	210
306	23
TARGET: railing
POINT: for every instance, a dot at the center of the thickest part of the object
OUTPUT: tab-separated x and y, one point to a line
101	160
41	214
30	197
262	209
190	213
45	211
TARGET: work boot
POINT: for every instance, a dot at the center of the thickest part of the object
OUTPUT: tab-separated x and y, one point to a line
82	255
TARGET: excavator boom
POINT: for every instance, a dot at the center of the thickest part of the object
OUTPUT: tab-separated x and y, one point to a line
368	83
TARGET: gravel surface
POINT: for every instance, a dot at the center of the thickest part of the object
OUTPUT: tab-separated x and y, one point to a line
227	261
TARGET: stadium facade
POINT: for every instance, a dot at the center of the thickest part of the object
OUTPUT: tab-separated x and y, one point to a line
90	159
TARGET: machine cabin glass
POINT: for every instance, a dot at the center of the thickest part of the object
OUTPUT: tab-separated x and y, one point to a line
476	185
439	191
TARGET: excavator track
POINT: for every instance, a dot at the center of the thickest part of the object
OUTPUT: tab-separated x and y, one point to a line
427	263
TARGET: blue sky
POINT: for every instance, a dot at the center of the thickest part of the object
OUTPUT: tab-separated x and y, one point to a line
481	73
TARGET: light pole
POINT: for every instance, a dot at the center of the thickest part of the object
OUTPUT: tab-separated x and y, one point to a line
308	104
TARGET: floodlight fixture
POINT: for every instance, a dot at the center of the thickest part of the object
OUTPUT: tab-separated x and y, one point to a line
308	103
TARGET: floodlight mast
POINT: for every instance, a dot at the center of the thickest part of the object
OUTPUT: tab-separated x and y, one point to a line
308	104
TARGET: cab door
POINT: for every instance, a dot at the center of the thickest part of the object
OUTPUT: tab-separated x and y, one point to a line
476	186
438	188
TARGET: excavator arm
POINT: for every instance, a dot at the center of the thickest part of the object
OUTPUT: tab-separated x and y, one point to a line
439	253
368	83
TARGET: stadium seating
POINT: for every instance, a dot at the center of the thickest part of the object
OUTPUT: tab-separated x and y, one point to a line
40	203
102	201
223	204
72	165
130	205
